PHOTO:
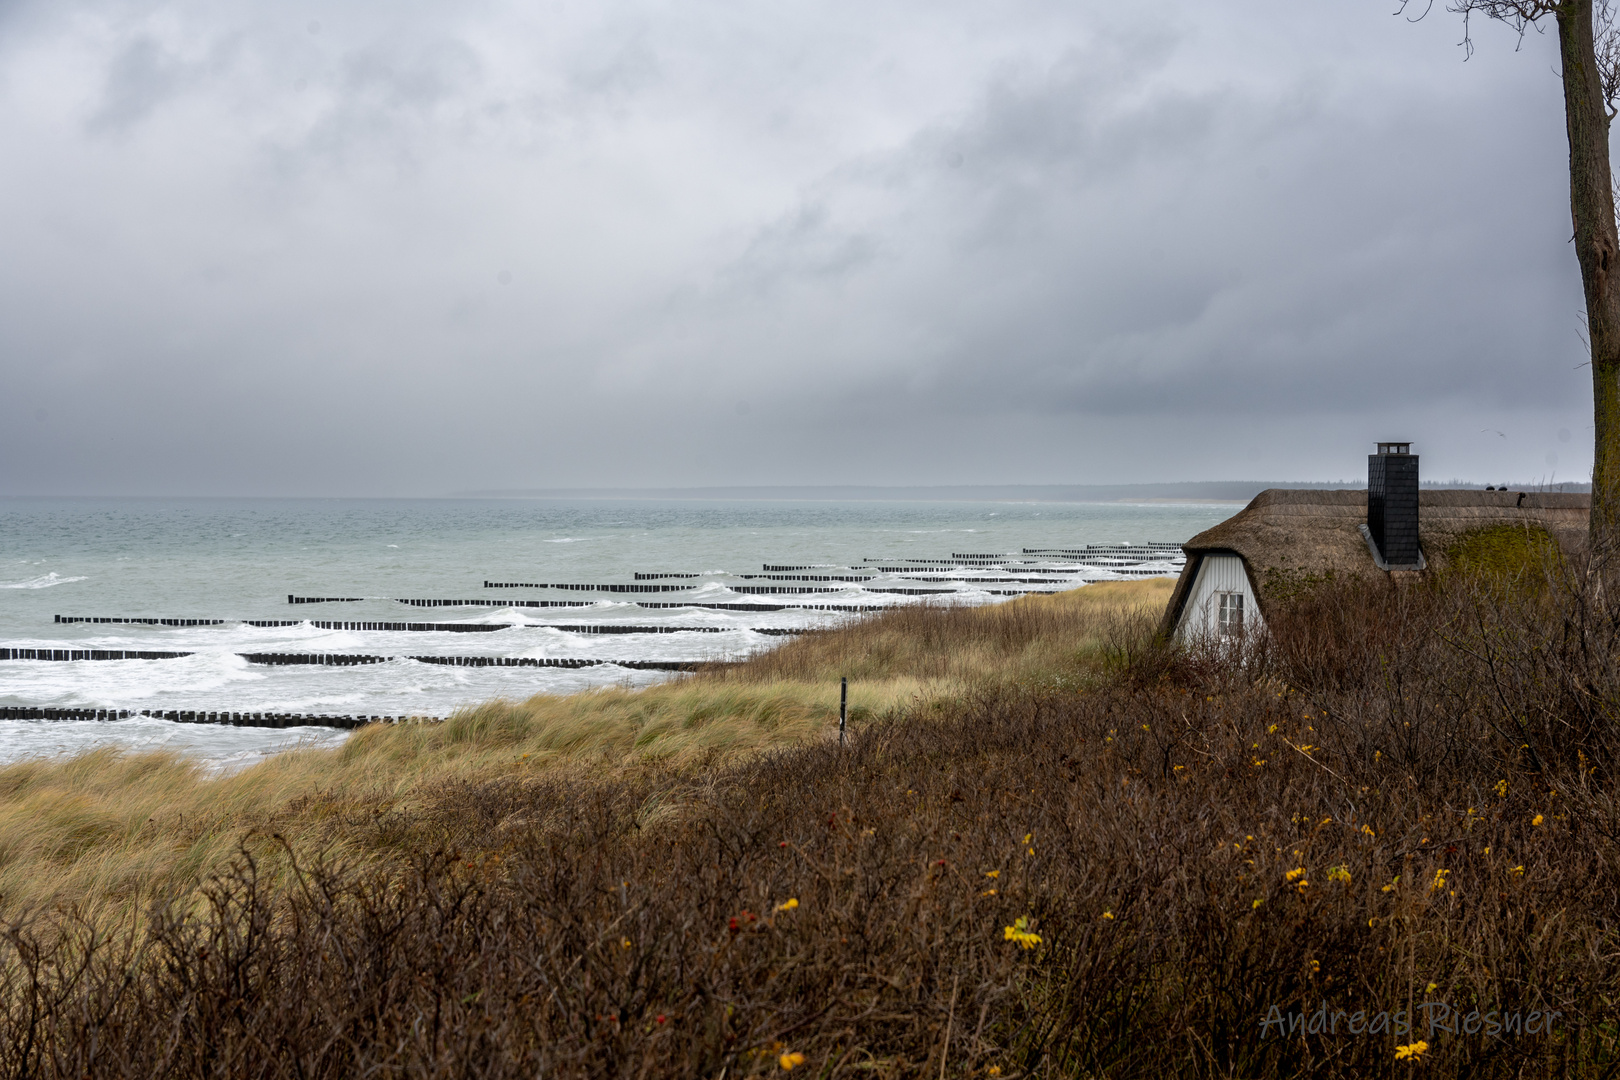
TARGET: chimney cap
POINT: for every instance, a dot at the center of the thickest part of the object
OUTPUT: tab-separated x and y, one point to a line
1394	448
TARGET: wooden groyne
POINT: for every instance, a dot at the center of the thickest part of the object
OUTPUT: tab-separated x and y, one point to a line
324	659
184	716
747	590
803	577
359	659
497	603
560	662
413	627
586	588
442	628
89	654
143	622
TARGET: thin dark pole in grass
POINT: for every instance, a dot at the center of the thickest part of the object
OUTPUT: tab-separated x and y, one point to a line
843	709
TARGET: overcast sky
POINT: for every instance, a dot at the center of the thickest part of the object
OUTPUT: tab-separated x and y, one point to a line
405	248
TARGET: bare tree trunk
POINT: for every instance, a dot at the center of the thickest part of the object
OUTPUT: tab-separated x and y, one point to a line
1591	203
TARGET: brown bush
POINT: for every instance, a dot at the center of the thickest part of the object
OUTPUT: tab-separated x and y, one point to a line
1397	796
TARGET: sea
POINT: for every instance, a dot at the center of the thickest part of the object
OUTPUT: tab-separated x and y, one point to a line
356	608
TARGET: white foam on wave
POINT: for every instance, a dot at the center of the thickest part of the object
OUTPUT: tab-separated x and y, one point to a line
43	582
218	749
126	683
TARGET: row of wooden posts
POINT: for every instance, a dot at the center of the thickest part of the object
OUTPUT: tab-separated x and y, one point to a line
184	716
651	604
356	659
450	628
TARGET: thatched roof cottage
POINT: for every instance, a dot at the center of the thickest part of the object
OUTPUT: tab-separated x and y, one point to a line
1286	538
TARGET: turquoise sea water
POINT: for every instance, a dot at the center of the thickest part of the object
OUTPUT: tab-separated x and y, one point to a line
240	559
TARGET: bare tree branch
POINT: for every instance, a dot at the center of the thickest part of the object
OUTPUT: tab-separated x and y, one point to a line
1607	43
1521	15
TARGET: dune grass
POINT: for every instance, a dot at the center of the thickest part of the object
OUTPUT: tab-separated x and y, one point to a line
108	829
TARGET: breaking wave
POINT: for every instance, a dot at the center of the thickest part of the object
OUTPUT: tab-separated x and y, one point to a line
44	582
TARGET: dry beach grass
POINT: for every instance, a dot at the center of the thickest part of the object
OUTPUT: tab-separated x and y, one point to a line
110	829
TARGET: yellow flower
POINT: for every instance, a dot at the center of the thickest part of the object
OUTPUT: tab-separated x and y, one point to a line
792	1061
1297	872
994	1070
1393	882
1108	915
988	892
992	873
1339	873
1019	932
787	905
1501	789
624	942
1028	837
1411	1051
1536	820
1431	988
1519	870
1439	880
1257	903
1368	830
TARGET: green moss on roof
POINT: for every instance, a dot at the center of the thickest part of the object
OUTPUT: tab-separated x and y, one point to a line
1502	551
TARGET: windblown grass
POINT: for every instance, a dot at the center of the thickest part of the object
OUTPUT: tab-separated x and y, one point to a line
109	828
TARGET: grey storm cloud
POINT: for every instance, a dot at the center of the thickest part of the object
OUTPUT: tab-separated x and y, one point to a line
407	248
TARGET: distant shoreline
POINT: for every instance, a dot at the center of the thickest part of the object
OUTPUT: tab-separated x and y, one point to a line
1206	491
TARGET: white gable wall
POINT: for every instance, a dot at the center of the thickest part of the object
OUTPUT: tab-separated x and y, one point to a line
1217	574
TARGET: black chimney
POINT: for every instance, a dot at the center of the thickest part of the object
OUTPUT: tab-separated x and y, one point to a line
1392	503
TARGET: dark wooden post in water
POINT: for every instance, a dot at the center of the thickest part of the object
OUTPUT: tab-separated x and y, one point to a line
843	709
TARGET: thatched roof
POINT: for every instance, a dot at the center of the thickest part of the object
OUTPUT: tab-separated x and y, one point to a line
1287	536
